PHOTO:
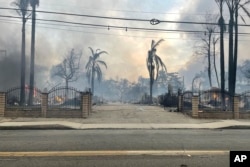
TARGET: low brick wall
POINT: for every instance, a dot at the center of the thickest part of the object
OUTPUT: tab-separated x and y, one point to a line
2	104
244	115
22	113
216	115
44	111
62	113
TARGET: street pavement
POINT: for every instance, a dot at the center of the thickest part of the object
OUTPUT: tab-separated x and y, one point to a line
124	116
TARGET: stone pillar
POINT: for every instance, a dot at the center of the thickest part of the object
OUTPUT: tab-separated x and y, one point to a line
195	103
180	103
84	105
2	104
44	104
236	107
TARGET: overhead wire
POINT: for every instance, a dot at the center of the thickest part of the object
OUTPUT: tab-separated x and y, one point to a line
98	33
114	26
107	26
101	26
120	18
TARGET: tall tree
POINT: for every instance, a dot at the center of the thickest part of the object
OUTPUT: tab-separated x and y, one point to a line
154	63
22	6
234	6
33	4
93	67
69	68
222	26
204	48
231	6
215	40
239	4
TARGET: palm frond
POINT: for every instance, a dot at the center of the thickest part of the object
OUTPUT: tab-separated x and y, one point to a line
89	64
102	62
148	63
152	44
99	73
157	67
161	63
102	52
89	75
157	43
92	51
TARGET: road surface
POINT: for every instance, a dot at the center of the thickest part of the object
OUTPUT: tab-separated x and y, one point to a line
120	147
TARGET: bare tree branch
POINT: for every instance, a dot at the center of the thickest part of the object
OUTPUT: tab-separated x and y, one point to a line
69	68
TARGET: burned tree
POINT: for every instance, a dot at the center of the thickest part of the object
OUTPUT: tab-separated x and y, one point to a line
154	63
234	6
205	47
22	10
69	68
93	67
33	4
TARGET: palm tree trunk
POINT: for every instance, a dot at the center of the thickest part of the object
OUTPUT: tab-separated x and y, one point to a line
209	60
151	89
32	58
222	59
215	69
151	82
22	93
235	49
92	80
231	57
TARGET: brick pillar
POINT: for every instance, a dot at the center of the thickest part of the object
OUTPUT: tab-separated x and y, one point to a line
90	102
84	105
2	104
195	103
180	103
44	104
236	107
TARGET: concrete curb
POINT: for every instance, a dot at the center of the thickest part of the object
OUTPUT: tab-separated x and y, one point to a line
226	124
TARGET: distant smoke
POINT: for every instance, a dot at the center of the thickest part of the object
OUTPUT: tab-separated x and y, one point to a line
10	72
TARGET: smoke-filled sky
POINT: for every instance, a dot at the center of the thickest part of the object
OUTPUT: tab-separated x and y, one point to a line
127	49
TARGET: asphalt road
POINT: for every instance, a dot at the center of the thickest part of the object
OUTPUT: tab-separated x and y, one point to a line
33	147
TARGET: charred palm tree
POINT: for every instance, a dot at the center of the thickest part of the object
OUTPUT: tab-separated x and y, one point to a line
93	67
239	4
234	6
22	6
33	4
154	63
222	26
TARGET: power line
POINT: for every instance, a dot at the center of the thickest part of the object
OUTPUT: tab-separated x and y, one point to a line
98	33
108	26
117	27
120	18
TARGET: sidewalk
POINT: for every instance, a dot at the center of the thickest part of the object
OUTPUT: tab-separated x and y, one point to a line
123	116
